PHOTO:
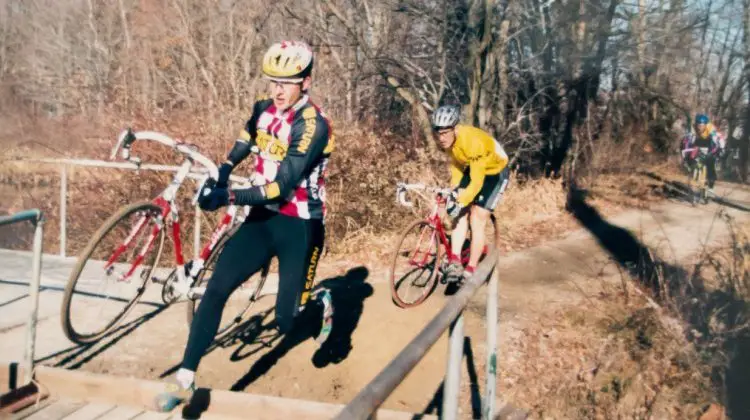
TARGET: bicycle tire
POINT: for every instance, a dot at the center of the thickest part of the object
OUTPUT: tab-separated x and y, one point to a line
202	280
431	282
65	310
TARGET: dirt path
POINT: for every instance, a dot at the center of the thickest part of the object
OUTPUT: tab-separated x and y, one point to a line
369	330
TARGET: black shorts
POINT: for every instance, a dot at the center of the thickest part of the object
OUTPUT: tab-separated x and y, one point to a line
492	189
297	243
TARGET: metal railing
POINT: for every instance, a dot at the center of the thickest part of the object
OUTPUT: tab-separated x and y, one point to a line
35	217
196	173
366	402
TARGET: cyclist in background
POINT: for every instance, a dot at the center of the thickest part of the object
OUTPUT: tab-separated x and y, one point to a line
287	217
479	176
707	137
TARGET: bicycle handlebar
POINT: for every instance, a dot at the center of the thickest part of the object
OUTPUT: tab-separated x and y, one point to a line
127	137
402	188
703	150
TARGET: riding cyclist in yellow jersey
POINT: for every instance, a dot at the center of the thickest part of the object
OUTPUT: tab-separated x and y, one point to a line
479	176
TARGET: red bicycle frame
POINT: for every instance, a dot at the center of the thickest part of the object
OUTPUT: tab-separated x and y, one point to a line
436	223
169	212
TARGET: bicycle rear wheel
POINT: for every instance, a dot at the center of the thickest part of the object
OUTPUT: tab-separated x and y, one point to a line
237	309
112	272
414	265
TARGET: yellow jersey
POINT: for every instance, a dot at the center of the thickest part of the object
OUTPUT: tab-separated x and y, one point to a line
476	149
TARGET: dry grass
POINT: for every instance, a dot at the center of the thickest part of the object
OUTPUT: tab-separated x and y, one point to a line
624	363
629	354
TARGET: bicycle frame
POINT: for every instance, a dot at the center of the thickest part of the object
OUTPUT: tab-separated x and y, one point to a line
436	223
170	213
433	219
698	168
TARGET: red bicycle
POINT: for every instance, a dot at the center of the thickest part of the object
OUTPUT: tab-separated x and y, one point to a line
423	250
120	260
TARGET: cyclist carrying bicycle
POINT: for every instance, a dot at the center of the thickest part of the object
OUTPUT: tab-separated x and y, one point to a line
287	217
705	136
479	176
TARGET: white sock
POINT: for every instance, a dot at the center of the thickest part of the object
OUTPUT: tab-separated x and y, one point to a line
185	378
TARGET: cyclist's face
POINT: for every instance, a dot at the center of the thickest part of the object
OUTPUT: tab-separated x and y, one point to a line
286	94
445	137
700	127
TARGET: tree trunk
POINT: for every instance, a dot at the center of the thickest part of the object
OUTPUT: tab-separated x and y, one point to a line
422	117
480	25
745	140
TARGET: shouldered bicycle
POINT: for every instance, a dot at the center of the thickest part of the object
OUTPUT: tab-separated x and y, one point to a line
119	262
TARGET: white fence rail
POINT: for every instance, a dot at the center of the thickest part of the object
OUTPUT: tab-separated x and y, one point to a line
198	173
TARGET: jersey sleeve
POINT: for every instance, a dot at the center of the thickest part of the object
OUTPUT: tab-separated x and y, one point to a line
309	140
456	173
477	158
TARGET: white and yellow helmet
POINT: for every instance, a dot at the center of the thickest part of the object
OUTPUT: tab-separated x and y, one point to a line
289	61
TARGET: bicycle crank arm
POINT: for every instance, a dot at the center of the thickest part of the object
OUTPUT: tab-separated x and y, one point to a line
158	280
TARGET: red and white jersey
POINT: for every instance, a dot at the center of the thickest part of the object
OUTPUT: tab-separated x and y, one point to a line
295	146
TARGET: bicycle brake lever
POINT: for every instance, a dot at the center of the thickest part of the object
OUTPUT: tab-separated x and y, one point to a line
135	161
401	197
200	189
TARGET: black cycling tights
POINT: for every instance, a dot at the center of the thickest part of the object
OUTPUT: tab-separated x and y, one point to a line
296	242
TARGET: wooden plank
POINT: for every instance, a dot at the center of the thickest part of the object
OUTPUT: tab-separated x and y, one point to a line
100	388
153	415
122	412
141	393
56	410
91	411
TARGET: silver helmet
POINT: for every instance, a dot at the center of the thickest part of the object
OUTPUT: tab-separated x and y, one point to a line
446	116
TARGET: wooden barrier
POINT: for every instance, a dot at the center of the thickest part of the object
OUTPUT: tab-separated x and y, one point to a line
72	385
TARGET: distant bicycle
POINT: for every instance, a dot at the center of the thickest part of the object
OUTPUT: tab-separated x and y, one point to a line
697	166
423	250
117	265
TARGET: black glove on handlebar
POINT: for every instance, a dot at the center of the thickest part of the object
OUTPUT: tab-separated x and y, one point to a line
224	171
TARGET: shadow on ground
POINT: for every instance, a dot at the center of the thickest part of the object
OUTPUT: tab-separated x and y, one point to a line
77	356
686	294
435	406
348	293
682	192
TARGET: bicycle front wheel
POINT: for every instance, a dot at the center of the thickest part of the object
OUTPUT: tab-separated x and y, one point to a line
112	272
414	265
237	309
